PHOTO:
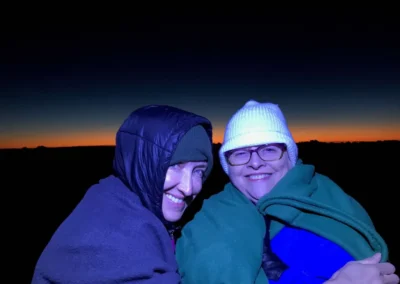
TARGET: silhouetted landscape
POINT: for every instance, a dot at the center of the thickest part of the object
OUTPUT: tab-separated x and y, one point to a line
47	183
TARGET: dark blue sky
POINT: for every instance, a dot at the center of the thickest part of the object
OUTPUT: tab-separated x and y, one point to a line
335	81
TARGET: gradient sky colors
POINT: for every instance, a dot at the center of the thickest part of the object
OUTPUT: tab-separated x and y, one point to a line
75	87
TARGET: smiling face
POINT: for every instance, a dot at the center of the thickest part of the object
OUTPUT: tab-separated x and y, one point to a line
182	184
258	177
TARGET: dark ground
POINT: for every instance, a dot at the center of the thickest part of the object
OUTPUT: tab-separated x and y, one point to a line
42	186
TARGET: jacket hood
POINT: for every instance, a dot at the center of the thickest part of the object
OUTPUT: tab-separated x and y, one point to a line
145	143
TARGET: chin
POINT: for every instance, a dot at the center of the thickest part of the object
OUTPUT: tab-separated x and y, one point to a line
260	195
172	218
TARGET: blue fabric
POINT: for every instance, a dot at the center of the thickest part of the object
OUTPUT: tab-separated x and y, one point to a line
117	233
311	258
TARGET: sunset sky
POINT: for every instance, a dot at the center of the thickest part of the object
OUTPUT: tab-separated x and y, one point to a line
334	82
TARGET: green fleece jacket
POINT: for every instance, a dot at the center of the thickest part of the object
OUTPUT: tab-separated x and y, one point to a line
223	243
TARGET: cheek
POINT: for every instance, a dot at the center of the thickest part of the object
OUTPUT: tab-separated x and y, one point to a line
235	173
197	185
236	177
281	169
169	179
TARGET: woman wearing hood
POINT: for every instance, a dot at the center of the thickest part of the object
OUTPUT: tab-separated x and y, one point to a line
121	231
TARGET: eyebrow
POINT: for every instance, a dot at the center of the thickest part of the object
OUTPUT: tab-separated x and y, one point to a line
258	146
201	166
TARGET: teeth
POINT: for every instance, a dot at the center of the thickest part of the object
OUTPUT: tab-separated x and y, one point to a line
255	177
174	199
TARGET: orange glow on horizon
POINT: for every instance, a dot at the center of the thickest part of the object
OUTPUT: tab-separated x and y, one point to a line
89	138
300	134
334	134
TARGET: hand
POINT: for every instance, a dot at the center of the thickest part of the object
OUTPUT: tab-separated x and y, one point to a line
366	271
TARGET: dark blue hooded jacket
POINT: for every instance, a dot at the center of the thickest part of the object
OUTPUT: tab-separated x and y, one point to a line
117	233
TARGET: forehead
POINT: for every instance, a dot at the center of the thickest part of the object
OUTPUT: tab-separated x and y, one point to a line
194	164
257	146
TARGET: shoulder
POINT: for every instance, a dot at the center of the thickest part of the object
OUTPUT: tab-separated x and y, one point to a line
113	251
223	224
108	231
342	200
225	210
111	216
223	260
331	189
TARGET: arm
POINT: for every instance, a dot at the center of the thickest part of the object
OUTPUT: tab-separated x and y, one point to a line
223	243
111	256
293	276
224	268
152	264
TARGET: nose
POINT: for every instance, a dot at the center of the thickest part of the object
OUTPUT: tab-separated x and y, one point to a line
185	184
255	161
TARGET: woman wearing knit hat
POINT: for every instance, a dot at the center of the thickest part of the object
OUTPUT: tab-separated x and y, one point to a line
278	220
121	231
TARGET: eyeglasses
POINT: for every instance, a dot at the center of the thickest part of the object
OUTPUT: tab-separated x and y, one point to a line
268	153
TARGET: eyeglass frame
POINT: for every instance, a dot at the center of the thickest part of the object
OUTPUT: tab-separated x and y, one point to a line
282	146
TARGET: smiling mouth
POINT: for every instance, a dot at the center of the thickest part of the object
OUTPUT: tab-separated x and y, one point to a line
258	176
173	198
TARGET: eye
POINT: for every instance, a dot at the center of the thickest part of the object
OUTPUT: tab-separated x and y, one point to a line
270	149
199	173
239	153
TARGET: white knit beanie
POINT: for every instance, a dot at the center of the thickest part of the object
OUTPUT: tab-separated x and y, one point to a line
256	124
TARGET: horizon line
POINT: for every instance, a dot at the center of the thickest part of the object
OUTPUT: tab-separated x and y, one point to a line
216	143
